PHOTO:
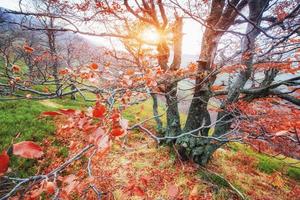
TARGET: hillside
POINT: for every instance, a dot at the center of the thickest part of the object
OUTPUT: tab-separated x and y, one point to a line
137	168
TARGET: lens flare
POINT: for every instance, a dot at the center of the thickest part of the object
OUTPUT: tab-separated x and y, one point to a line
150	35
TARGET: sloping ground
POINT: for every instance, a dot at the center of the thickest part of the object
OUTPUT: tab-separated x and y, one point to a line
136	168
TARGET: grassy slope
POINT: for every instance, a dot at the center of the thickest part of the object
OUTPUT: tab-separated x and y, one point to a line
22	116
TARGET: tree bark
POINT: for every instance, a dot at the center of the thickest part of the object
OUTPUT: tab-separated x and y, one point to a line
248	47
173	117
159	125
221	17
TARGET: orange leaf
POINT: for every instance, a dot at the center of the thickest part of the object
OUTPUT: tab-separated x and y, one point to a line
4	162
63	71
16	68
94	66
194	193
192	67
27	149
216	87
50	113
28	49
50	187
130	72
18	79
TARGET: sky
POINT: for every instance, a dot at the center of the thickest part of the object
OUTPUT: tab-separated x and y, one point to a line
191	29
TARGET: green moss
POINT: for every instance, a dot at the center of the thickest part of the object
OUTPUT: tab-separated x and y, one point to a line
213	178
294	173
63	152
268	165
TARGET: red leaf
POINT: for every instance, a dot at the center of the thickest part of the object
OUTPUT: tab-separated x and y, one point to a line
99	110
27	149
115	116
4	162
138	191
117	132
130	72
172	191
50	113
67	111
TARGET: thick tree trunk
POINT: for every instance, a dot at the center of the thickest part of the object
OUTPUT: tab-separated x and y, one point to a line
248	48
200	149
173	118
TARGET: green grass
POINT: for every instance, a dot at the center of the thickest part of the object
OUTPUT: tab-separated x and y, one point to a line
139	112
21	117
268	164
213	178
294	173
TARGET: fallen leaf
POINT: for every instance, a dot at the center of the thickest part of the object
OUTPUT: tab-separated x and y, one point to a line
27	149
138	191
50	187
172	191
99	110
4	162
117	132
50	113
94	66
67	111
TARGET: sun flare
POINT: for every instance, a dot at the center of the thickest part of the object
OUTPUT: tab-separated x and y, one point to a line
150	35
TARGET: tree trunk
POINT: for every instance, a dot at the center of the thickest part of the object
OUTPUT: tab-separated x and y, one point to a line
173	118
248	47
159	125
52	47
221	17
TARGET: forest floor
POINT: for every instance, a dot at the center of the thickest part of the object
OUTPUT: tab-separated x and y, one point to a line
137	168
